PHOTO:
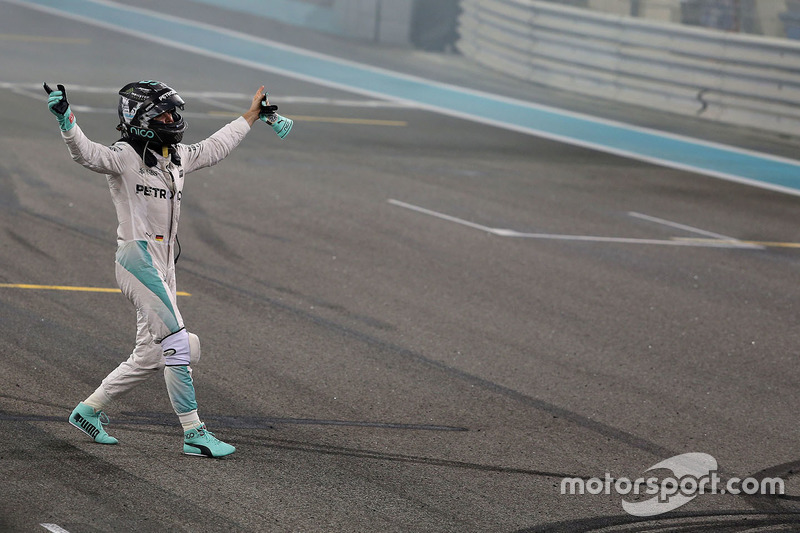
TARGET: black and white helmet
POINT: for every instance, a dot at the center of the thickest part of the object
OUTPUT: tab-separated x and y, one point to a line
140	102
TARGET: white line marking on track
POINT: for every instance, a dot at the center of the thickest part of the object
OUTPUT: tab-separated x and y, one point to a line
713	243
677	225
36	88
218	102
443	216
55	528
230	115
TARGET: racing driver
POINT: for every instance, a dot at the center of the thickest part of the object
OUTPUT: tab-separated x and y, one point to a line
145	170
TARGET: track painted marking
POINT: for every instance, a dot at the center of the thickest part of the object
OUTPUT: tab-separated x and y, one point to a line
644	144
36	88
761	244
67	288
334	120
42	39
677	225
32	90
442	216
698	243
55	528
357	121
230	114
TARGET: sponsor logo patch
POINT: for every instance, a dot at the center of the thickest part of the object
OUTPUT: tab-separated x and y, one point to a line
156	192
86	426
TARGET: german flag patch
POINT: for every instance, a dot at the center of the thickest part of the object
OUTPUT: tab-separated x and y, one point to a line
159	238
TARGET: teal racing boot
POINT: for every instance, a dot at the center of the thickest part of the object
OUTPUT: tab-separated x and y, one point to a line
91	422
201	442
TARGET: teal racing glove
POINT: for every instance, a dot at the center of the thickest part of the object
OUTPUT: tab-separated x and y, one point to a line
58	105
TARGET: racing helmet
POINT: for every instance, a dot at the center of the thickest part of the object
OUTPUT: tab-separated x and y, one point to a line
140	102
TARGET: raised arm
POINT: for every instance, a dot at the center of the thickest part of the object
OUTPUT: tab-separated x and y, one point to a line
90	154
215	148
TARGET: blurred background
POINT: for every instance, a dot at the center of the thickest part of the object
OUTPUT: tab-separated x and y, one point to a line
433	24
730	61
774	18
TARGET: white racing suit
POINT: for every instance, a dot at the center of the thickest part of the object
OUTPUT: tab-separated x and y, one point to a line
148	203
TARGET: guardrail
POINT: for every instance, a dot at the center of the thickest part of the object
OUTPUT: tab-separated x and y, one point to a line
731	78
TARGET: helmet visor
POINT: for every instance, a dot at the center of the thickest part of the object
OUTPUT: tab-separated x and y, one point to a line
162	105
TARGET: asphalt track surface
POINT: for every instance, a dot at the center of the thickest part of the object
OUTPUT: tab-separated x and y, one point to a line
383	358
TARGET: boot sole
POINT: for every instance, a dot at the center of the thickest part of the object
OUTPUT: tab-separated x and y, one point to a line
204	452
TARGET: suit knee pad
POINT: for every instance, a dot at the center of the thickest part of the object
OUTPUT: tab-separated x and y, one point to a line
181	348
176	348
194	348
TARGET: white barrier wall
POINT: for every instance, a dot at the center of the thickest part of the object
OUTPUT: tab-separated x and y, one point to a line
731	78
